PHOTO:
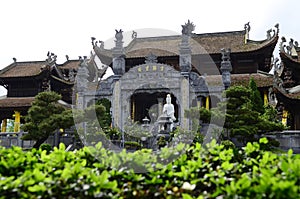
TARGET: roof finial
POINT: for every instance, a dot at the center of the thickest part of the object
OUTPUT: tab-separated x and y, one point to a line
15	59
134	34
277	28
67	57
93	41
274	31
282	46
247	26
119	37
51	57
247	30
188	28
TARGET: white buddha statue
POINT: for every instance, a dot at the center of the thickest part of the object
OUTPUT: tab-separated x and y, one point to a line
169	110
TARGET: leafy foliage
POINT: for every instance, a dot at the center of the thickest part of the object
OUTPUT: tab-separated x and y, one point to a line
199	113
105	120
45	116
244	117
255	97
210	171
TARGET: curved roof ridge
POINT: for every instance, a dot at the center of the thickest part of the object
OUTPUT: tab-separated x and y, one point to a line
235	32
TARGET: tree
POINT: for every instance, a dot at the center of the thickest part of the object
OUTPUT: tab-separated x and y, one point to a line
255	97
45	116
105	120
242	119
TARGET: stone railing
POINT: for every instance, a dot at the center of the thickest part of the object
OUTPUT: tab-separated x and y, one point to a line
289	139
9	139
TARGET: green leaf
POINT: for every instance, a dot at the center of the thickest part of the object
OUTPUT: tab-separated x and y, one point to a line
39	176
37	188
62	146
227	166
186	196
263	140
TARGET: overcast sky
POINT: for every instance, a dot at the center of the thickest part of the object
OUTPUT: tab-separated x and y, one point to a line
31	28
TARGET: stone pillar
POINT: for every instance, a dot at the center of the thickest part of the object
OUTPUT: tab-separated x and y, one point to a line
4	125
116	107
118	53
185	105
226	67
81	84
185	51
81	89
17	121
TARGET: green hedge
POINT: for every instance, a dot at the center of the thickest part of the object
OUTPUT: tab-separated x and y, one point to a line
209	171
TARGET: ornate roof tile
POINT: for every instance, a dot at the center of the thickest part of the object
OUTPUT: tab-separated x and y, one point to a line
23	69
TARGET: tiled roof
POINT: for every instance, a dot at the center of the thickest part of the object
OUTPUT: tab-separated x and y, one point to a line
291	63
14	102
293	96
261	80
290	51
70	64
289	60
23	69
62	80
286	95
210	43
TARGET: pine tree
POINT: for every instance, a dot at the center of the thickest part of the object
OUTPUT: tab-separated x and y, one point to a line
255	97
45	116
240	119
243	117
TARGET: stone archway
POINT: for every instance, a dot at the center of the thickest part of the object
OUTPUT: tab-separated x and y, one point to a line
148	78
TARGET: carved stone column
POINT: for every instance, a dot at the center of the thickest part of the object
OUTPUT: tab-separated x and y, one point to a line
116	109
185	99
226	67
118	56
185	51
81	84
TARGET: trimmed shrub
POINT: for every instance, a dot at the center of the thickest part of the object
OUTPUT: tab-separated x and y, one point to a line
198	171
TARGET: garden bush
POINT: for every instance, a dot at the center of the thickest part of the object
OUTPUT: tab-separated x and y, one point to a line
210	171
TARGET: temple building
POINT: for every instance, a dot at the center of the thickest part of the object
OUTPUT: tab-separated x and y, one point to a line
24	80
287	83
193	68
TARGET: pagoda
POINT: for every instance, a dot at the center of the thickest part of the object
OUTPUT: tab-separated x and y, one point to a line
190	67
24	80
287	83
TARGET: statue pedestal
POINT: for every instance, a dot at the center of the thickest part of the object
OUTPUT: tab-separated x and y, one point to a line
164	130
164	123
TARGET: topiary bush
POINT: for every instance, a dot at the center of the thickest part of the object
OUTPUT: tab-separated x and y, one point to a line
199	171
